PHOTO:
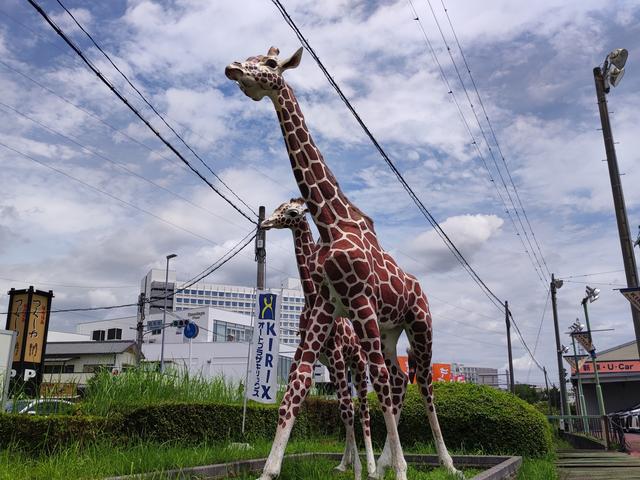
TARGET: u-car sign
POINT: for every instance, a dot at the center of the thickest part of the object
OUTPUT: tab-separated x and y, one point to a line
604	367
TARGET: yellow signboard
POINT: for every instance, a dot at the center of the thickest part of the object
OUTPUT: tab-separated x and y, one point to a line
36	331
17	321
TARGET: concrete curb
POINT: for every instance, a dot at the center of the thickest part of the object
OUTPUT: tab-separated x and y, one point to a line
499	467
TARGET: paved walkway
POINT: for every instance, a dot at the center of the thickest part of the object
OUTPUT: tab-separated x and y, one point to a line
633	440
597	465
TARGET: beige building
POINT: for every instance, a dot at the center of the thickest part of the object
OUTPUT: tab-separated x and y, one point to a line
619	372
76	362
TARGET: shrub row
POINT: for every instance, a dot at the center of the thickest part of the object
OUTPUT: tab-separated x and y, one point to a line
471	417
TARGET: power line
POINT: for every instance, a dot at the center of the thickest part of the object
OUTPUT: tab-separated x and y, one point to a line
153	108
64	285
235	250
535	345
124	202
495	138
111	87
591	274
103	157
115	130
474	142
430	218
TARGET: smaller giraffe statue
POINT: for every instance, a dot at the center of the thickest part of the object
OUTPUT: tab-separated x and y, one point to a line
341	351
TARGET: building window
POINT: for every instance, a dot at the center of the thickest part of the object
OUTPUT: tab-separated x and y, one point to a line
95	367
227	294
200	302
193	300
179	300
200	292
98	335
58	368
114	334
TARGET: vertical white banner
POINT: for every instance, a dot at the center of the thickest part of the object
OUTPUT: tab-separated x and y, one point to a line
7	347
263	381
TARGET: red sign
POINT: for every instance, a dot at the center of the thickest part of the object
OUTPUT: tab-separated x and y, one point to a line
441	372
620	366
403	362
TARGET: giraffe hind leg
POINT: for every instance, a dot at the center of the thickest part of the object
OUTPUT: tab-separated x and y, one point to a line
419	333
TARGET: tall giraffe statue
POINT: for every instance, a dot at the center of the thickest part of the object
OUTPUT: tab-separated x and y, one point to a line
341	351
357	278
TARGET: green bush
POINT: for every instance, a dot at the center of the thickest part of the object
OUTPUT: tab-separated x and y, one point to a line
473	418
44	434
208	421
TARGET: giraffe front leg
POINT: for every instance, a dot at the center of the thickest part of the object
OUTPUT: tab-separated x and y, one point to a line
398	380
299	384
338	373
360	368
366	326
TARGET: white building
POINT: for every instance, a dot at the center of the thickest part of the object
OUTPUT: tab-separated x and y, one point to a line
232	298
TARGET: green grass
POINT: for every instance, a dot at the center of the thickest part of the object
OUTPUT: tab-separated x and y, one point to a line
322	469
542	468
102	459
107	394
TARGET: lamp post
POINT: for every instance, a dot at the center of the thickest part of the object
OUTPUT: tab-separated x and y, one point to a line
606	76
164	311
556	283
592	296
581	402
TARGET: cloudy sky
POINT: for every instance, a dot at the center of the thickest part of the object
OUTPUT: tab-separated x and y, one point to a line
98	200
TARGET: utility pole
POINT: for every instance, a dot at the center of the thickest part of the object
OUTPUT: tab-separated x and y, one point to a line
546	386
261	260
626	245
140	327
564	402
512	386
261	251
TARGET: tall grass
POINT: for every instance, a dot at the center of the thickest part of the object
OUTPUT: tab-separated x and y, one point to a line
107	394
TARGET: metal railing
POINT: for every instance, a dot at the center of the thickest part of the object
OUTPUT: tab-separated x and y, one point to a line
606	429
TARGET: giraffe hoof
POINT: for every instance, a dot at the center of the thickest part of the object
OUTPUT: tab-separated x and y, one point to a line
341	468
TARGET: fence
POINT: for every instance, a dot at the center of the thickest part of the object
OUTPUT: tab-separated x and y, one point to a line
607	429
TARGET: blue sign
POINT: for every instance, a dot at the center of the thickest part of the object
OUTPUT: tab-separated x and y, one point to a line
263	383
191	330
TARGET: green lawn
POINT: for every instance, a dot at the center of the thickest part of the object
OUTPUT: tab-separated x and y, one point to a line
102	460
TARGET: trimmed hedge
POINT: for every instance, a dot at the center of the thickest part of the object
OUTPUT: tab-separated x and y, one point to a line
472	417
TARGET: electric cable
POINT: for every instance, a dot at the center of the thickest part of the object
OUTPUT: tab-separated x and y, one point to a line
110	195
426	213
153	108
116	92
495	138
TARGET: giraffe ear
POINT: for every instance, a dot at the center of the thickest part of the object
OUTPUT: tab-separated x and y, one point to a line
293	61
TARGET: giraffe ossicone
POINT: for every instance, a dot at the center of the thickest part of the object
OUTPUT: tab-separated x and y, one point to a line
380	299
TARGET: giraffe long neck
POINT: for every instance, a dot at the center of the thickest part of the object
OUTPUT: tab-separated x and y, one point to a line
304	247
318	186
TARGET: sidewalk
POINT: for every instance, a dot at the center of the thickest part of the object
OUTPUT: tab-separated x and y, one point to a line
633	440
598	465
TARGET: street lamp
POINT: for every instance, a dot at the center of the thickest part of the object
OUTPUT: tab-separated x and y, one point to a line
575	329
605	76
164	311
592	294
556	283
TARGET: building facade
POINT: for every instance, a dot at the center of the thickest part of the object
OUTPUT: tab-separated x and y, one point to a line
619	372
232	298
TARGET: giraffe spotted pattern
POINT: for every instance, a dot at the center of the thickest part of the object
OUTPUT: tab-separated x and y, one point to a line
341	351
355	277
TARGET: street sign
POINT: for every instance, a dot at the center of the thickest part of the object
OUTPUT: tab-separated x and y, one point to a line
191	330
633	295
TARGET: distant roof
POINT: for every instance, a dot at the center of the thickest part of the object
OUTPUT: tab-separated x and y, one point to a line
66	349
601	352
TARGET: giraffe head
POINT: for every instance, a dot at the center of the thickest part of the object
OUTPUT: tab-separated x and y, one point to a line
288	215
262	75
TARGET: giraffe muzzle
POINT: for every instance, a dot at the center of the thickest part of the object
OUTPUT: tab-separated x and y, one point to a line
233	72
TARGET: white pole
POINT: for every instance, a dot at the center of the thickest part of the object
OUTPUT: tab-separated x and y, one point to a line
246	375
189	367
